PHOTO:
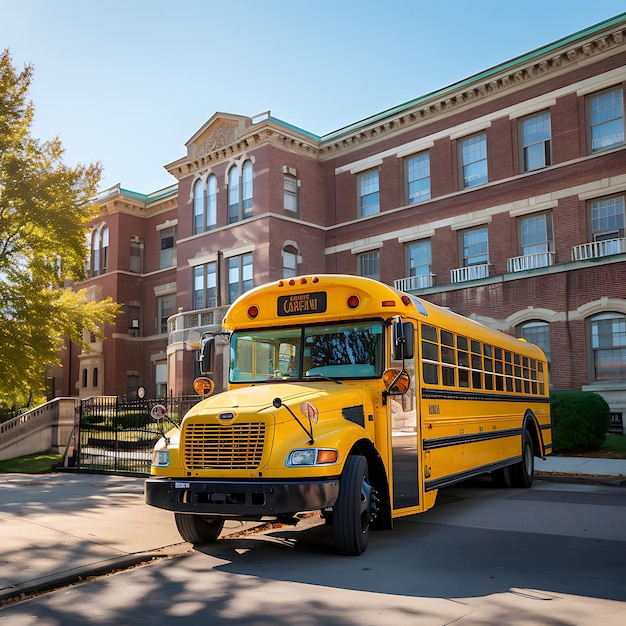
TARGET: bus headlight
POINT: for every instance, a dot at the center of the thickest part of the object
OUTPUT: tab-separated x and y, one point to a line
311	456
161	458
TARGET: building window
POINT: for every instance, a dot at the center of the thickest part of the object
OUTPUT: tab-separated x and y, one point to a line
168	248
84	378
608	345
204	205
205	286
132	313
606	120
536	141
537	332
198	207
94	377
211	202
166	308
536	234
136	254
240	277
290	193
246	189
368	264
161	380
99	250
418	178
473	157
290	262
475	247
240	193
418	260
369	194
607	218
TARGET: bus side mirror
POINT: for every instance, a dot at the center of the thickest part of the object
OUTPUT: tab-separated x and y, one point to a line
403	340
205	355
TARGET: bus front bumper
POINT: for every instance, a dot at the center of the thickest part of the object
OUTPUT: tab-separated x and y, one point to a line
247	499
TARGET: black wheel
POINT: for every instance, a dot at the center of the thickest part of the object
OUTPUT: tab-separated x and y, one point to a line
522	473
198	529
353	510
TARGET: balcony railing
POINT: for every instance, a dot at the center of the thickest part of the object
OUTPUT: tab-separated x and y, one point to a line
189	325
414	282
530	261
596	249
472	272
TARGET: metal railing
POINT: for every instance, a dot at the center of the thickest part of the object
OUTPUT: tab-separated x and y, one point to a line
410	283
471	272
597	249
530	261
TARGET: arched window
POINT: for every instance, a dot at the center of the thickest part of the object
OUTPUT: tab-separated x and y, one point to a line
240	193
233	195
537	332
211	202
94	376
607	333
290	262
84	377
246	188
100	249
198	207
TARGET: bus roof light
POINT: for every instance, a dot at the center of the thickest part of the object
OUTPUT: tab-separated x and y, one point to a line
406	300
389	303
253	311
353	302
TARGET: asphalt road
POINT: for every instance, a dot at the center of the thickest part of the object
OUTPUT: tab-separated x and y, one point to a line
554	554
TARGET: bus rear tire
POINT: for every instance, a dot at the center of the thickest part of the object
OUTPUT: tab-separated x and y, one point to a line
522	473
353	509
198	529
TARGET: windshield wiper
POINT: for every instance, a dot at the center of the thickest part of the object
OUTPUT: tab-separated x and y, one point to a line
324	377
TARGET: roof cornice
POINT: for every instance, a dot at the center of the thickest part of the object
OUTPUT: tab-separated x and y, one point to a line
537	65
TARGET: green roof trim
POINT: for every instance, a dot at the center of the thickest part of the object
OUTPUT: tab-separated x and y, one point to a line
149	197
581	34
296	128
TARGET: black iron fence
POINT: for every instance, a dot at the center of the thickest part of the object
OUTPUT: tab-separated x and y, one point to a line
118	436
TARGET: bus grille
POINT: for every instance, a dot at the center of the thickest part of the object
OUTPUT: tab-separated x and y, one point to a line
213	446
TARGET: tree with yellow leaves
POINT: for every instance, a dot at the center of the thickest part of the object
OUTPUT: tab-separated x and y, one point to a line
45	209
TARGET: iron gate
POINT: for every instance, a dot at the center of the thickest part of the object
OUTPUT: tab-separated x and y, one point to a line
116	436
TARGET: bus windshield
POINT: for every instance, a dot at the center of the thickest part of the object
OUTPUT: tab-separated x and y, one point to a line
352	350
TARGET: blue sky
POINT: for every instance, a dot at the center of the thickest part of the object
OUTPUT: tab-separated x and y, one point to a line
128	82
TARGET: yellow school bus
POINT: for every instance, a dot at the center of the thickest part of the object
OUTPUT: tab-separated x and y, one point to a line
356	400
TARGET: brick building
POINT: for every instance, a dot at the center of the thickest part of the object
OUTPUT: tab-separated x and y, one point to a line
501	196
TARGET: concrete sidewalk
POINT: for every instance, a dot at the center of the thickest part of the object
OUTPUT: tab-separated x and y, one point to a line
58	528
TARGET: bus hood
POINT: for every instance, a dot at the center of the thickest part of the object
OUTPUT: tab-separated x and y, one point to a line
260	398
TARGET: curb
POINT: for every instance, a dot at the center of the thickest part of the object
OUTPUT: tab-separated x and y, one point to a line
585	479
78	575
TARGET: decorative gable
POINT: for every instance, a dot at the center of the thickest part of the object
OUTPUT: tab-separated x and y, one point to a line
219	131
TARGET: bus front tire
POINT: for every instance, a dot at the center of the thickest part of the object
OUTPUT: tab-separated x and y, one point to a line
198	529
352	511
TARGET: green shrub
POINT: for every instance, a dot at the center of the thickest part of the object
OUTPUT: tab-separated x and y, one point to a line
580	420
133	419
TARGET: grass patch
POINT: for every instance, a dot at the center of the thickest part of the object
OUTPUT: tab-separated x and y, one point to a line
31	463
614	445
